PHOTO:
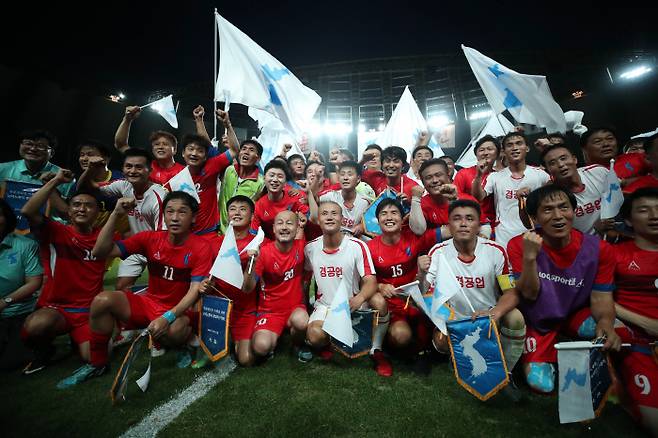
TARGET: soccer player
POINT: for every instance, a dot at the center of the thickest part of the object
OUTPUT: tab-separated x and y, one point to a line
372	157
147	215
508	185
636	303
565	279
599	146
482	270
205	172
276	200
486	152
419	155
588	184
394	159
335	257
394	254
650	180
178	261
240	210
352	203
74	275
163	147
281	304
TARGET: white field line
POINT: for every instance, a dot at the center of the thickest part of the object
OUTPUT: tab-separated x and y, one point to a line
161	416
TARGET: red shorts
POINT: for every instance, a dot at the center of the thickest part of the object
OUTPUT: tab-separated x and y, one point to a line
144	309
241	325
399	313
77	323
539	347
275	321
638	369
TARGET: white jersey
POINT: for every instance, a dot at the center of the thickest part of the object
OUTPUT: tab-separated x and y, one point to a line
351	261
504	186
588	209
413	176
148	213
351	216
478	278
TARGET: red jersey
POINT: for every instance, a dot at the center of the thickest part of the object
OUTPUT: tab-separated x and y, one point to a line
642	182
171	267
266	210
73	275
161	175
397	264
631	165
378	181
240	299
636	274
464	182
564	257
206	186
280	276
436	213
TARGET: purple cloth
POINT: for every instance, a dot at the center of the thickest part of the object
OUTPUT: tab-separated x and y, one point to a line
562	291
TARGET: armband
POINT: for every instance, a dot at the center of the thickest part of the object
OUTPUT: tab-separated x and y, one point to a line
169	316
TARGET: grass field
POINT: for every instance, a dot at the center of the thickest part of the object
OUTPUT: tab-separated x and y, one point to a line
284	397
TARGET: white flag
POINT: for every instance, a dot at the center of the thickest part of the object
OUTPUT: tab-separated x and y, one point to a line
425	304
575	391
338	322
227	265
526	97
495	127
183	182
255	242
445	283
405	125
272	134
165	107
251	76
612	198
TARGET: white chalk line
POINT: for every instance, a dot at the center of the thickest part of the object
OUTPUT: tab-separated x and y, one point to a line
163	415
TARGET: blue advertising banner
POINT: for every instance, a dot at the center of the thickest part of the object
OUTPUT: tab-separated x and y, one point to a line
477	356
363	329
213	326
16	194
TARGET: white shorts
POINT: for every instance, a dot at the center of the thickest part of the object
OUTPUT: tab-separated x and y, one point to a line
132	266
320	311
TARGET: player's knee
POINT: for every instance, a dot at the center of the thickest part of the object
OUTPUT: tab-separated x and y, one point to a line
400	334
261	345
299	321
513	320
179	331
244	356
102	303
378	302
37	324
315	335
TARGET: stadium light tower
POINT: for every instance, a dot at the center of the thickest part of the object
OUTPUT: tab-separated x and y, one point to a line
635	72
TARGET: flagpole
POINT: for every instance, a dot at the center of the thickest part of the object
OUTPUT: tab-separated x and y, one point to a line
214	80
501	124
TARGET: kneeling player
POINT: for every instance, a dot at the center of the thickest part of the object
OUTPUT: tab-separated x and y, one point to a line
335	257
177	259
636	303
481	268
279	268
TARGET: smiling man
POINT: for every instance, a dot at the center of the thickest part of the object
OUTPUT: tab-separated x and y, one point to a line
394	159
565	279
599	146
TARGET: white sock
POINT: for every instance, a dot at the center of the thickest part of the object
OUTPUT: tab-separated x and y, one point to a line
512	342
380	332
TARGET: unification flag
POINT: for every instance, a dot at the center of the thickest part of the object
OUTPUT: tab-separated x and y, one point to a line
612	198
424	303
370	222
363	330
255	242
445	283
183	182
477	356
165	107
405	125
273	135
251	76
527	97
584	380
227	266
338	323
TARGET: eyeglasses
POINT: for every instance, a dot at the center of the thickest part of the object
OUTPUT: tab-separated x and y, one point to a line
38	146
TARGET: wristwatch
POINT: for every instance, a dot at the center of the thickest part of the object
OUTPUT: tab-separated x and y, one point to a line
8	300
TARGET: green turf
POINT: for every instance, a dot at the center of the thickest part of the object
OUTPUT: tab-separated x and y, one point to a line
284	397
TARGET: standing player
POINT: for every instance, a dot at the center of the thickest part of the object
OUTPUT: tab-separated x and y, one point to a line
508	185
178	260
482	270
394	159
636	303
73	274
147	214
394	253
276	200
335	257
281	304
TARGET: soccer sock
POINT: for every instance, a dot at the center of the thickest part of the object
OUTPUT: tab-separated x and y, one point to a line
380	332
423	335
512	342
98	350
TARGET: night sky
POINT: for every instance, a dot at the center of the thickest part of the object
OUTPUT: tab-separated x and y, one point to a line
136	46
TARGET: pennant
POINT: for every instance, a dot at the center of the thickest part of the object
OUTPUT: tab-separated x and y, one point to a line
338	322
612	198
183	182
363	329
120	383
227	265
214	326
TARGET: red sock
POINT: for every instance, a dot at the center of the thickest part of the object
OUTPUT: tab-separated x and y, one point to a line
98	348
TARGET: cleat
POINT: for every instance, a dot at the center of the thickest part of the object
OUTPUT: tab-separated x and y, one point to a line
157	350
326	353
304	354
41	360
383	366
184	357
85	372
422	365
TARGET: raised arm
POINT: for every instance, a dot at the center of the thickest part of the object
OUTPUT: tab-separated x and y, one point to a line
528	283
417	222
31	209
476	187
86	180
105	246
123	131
233	143
198	114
